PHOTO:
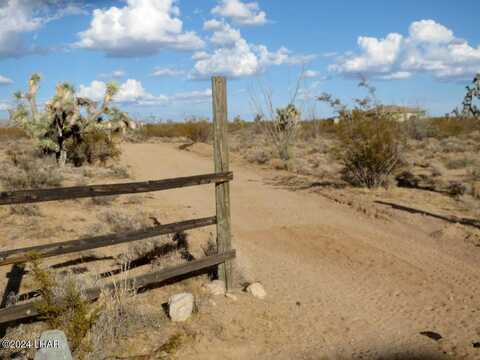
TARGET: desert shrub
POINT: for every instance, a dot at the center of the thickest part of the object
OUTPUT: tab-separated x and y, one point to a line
281	128
63	305
24	169
370	140
312	129
193	129
95	146
370	148
237	124
419	129
258	156
279	125
444	127
198	131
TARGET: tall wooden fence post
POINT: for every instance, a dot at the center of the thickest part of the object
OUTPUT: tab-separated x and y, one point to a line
222	190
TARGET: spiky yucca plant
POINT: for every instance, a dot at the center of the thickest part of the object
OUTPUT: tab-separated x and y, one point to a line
469	109
61	122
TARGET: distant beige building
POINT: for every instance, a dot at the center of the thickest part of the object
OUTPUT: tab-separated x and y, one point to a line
400	113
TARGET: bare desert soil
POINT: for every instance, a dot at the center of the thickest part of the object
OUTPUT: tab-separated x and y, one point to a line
344	281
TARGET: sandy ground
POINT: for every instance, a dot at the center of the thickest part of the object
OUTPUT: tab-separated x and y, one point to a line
341	284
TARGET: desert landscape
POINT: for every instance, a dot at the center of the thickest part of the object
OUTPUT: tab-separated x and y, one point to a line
387	272
327	221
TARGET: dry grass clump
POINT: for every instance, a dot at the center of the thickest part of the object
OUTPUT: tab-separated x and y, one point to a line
118	221
473	173
160	252
258	156
24	169
119	172
25	210
461	163
453	145
104	200
119	316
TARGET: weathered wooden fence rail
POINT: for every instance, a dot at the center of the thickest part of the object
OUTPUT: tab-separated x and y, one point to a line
27	310
16	256
221	178
77	192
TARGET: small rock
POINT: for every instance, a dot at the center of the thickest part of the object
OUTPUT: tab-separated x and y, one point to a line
231	296
257	290
180	306
216	287
53	346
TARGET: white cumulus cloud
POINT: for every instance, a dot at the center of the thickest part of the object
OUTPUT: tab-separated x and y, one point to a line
167	72
4	106
142	27
223	33
116	74
196	96
429	31
133	92
16	18
5	81
308	74
241	13
235	57
429	47
20	17
236	61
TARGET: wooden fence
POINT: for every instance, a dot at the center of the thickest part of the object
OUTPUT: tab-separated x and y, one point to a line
223	259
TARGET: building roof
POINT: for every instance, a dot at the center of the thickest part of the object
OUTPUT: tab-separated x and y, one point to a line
400	109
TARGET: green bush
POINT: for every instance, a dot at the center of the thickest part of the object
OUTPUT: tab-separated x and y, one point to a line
63	305
370	147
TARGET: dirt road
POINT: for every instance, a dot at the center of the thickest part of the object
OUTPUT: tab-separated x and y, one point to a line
340	285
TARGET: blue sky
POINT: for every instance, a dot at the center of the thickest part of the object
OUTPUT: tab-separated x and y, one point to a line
163	52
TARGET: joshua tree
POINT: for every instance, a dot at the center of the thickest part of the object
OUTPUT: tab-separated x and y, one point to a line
469	109
62	118
280	125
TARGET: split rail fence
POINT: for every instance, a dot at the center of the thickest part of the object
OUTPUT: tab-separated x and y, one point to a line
223	259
